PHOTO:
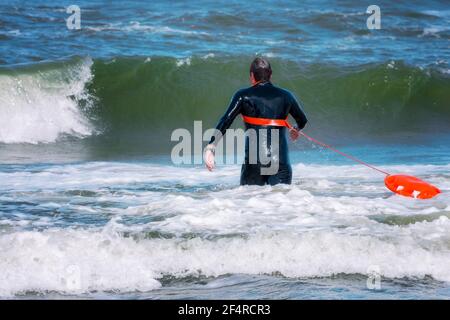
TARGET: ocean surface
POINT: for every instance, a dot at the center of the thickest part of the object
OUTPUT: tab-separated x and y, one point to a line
91	205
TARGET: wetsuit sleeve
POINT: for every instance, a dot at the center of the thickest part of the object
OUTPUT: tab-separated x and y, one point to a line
227	119
296	111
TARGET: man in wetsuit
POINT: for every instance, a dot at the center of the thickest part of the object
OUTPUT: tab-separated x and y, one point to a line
264	108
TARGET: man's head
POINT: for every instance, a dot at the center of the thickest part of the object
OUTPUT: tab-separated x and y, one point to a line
260	70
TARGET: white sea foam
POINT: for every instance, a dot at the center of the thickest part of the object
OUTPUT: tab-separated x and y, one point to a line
438	13
182	62
209	55
433	31
135	26
391	65
274	42
79	261
15	32
322	224
269	54
40	106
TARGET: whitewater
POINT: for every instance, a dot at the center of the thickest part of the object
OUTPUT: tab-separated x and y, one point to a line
96	222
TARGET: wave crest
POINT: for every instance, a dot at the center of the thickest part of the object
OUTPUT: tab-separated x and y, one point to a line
39	103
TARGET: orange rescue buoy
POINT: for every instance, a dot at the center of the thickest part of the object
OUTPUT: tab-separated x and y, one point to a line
410	186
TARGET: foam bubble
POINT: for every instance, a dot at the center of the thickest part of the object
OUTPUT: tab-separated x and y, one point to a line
432	32
209	55
182	62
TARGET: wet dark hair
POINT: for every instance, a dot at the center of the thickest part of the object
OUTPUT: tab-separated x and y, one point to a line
261	69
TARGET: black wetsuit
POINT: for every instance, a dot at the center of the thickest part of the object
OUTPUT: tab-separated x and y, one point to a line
264	100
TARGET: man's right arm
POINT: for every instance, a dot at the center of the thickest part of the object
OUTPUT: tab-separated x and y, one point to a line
225	122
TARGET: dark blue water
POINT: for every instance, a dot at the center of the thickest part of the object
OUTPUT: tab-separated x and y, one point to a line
310	31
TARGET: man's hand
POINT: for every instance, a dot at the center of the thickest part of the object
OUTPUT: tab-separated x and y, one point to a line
208	156
294	134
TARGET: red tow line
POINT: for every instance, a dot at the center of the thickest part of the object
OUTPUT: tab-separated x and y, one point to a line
405	185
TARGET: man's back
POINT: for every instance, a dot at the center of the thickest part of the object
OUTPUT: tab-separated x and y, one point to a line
263	107
264	100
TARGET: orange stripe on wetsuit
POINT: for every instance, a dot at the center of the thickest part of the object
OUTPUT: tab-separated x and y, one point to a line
267	122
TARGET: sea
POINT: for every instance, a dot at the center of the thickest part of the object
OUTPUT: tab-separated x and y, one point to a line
92	205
